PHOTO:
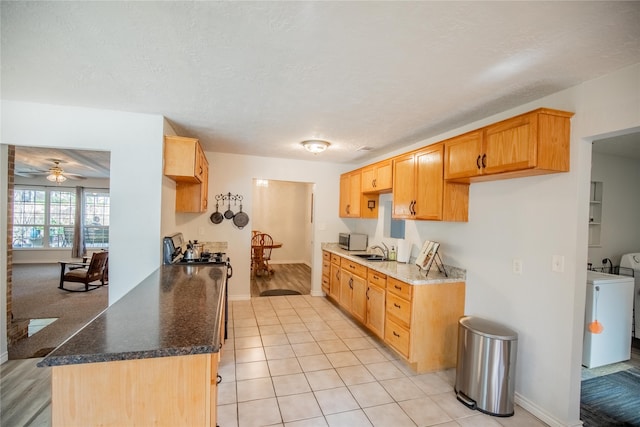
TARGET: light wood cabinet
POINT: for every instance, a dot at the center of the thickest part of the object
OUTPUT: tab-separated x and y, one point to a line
530	144
326	272
334	279
133	392
353	287
419	190
186	163
421	322
350	194
376	292
377	178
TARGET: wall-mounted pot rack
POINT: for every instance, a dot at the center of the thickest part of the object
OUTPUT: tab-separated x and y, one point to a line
240	219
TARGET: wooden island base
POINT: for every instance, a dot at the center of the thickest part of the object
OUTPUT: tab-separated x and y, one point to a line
163	391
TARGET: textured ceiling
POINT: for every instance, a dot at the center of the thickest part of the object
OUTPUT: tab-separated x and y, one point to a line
259	77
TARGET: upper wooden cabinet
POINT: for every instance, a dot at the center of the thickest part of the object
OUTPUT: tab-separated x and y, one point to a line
419	191
350	194
186	163
184	160
377	178
533	143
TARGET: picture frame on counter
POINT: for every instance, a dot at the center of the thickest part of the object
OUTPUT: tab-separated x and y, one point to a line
427	257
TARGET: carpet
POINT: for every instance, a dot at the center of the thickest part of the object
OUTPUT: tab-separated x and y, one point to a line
278	292
611	400
36	295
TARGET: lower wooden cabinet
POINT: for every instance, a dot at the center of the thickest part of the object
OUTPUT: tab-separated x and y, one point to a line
326	272
376	297
163	391
420	322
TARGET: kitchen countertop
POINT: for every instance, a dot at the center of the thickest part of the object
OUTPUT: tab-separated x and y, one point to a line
175	311
409	273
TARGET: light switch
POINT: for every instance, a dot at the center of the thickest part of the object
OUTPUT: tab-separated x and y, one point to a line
517	266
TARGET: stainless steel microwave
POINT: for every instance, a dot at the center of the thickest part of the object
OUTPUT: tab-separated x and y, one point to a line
353	241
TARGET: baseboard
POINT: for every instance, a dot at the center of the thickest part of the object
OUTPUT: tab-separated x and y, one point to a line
317	293
541	414
4	357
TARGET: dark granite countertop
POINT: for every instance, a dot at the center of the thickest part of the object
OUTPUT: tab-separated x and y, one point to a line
175	311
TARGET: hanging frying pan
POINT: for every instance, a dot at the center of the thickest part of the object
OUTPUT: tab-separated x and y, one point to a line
229	213
240	219
216	217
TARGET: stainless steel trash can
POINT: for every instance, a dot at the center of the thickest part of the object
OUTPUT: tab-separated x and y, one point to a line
486	366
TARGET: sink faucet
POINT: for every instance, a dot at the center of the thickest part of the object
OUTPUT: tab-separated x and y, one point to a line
385	250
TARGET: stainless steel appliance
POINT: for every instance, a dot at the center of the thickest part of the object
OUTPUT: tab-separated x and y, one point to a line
172	254
353	241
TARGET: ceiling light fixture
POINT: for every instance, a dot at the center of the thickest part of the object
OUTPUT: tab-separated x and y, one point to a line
315	146
56	174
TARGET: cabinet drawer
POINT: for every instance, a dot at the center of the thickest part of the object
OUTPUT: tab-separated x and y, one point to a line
326	268
402	289
355	268
399	308
376	278
397	337
325	284
326	256
335	259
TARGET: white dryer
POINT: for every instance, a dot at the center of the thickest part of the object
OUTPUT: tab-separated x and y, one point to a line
632	262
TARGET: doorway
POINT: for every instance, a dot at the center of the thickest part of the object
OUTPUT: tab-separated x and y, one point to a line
41	223
284	210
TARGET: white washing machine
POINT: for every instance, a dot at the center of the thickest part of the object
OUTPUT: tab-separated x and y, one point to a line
632	262
609	302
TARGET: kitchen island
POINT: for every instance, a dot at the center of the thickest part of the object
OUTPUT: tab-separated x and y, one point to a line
415	313
149	359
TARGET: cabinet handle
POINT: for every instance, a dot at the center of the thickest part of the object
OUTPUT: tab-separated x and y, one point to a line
484	160
368	292
396	305
397	287
395	334
478	161
351	283
201	170
348	208
373	183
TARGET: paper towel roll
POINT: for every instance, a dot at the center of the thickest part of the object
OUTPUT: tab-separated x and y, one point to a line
404	251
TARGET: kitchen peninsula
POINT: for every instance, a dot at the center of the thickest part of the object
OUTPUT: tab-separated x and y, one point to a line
415	313
149	359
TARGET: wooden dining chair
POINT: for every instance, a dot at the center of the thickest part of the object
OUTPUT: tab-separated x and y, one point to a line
86	273
261	246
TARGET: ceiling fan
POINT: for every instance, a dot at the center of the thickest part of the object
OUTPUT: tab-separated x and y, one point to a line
54	174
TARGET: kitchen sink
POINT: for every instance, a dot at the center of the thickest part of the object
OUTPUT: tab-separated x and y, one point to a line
371	257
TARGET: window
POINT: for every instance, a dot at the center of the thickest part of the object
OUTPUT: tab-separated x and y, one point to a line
45	217
96	219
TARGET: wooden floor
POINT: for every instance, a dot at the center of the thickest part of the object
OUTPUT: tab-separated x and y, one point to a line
25	394
294	277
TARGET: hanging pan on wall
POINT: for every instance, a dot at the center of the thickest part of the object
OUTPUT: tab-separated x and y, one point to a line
240	219
216	217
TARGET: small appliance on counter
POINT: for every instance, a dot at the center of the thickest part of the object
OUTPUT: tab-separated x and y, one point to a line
353	241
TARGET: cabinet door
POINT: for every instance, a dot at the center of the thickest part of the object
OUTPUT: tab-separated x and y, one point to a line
369	179
463	155
384	176
334	282
346	289
350	195
429	183
375	309
359	298
511	145
201	164
403	186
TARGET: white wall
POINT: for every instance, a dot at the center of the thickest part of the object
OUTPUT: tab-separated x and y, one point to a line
135	143
620	230
533	219
283	210
235	173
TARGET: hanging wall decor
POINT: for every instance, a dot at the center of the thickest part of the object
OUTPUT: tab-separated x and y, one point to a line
240	219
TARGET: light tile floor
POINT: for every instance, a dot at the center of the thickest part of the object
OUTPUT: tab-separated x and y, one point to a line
300	361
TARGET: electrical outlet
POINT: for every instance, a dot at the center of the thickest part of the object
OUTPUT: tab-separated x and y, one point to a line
517	266
557	264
